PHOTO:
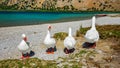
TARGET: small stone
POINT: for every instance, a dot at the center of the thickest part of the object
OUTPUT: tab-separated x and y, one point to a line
84	62
84	66
59	60
60	65
35	32
32	64
91	57
9	57
24	67
5	47
70	64
70	60
78	60
99	51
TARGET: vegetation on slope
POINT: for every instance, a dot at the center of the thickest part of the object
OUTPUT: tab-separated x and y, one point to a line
61	5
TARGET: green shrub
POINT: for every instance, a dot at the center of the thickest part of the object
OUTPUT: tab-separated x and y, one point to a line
81	31
60	35
27	63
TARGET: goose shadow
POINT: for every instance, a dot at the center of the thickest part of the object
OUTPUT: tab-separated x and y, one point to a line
50	49
32	53
88	45
66	51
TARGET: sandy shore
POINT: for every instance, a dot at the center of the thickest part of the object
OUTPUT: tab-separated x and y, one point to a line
10	37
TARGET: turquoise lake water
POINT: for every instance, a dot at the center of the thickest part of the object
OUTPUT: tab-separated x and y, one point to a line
28	18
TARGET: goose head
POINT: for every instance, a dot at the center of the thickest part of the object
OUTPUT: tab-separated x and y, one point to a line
24	37
49	27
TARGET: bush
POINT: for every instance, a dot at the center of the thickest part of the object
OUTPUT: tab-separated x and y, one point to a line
60	35
81	31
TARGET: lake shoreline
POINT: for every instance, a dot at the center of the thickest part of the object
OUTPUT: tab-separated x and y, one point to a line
37	18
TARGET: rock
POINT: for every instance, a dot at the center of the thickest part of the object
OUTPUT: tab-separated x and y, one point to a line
24	67
60	65
59	60
84	66
83	61
33	64
77	60
85	55
91	57
70	64
5	47
9	57
99	51
108	58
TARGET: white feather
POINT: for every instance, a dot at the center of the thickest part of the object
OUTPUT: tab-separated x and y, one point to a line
69	41
23	47
49	42
92	35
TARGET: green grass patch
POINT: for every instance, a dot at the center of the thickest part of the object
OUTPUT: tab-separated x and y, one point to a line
27	63
60	35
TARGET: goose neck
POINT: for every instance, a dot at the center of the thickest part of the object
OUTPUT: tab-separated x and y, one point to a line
70	32
48	33
93	23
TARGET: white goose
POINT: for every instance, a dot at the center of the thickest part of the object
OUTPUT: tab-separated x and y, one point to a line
69	42
24	47
92	35
49	42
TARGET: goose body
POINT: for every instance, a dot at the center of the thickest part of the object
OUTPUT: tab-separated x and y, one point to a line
92	35
23	47
49	42
69	41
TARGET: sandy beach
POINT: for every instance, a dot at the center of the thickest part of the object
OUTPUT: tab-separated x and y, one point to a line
10	37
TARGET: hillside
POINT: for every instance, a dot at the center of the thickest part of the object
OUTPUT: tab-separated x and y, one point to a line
62	5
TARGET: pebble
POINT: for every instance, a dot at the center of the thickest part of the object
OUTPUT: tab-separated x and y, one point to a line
84	66
58	61
99	51
84	61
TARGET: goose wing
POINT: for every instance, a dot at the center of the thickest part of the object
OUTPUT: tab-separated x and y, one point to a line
23	46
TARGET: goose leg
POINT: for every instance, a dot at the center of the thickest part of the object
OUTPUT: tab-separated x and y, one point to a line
50	51
24	56
94	45
66	51
72	50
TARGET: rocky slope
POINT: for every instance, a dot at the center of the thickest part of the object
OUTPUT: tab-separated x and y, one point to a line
89	5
